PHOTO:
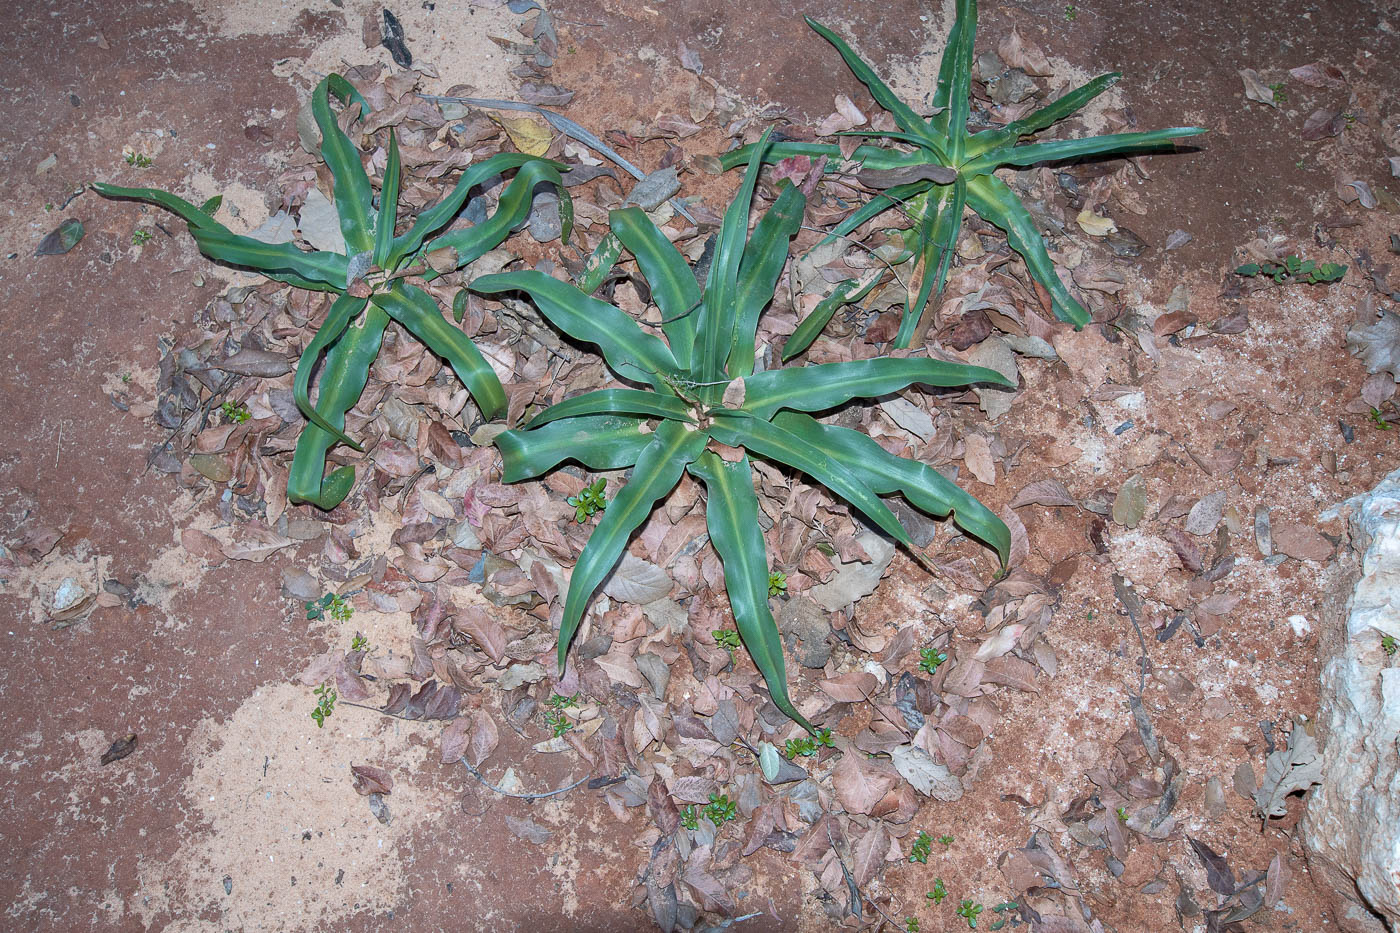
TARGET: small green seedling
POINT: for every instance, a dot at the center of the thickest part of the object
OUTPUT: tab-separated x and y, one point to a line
777	583
1279	96
690	819
557	701
141	237
719	810
940	891
918	852
1378	419
1293	269
558	722
324	706
969	911
138	159
331	605
590	501
235	412
930	658
726	638
1122	814
946	840
911	924
1388	644
808	745
1071	14
359	643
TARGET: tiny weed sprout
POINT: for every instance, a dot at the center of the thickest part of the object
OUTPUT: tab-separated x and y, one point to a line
558	701
940	891
703	387
930	658
726	638
690	819
589	501
138	159
911	924
777	583
919	851
558	722
969	910
359	643
719	810
1122	814
331	605
324	706
141	237
235	412
1388	644
1071	14
370	280
946	840
1279	96
808	745
1378	419
1293	269
948	168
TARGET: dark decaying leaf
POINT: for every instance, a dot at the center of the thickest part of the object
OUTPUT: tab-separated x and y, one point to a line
120	749
1323	123
61	239
1218	874
369	779
392	39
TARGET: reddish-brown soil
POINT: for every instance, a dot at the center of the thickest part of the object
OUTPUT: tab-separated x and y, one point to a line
127	846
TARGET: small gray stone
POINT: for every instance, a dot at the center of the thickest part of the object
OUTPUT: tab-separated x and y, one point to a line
656	672
298	584
806	628
545	223
654	190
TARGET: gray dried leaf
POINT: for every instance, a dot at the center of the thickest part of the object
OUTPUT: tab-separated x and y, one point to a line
1377	343
928	777
1049	492
1318	74
1255	89
637	581
654	190
528	830
1350	191
1289	770
254	362
1130	504
545	95
1323	123
279	228
1206	513
890	177
320	223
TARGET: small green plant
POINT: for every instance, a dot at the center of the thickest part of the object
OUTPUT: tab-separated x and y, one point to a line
1279	96
332	605
777	583
1122	814
141	237
969	911
719	810
371	280
589	501
359	643
235	412
1388	644
1071	14
945	840
940	891
138	159
954	169
808	745
690	819
1292	270
558	722
702	388
727	638
325	705
558	701
930	658
919	851
126	378
911	924
1378	419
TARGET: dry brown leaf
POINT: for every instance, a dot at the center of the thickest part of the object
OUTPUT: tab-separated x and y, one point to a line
978	457
851	687
1301	542
1049	492
369	779
861	782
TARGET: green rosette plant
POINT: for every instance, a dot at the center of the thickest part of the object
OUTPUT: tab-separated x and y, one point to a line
701	388
949	168
370	280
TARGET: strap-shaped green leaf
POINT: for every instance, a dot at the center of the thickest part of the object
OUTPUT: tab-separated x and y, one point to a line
673	285
321	266
762	264
416	310
826	385
187	212
904	116
1060	149
388	205
433	219
924	487
938	244
960	87
731	515
352	189
897	196
996	203
847	291
342	381
714	330
342	312
947	74
801	450
1045	117
599	442
631	352
658	470
512	211
599	264
616	402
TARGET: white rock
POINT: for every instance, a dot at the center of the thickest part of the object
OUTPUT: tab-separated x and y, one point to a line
69	594
1352	826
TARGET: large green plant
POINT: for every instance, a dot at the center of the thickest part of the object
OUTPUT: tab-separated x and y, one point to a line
950	168
369	280
701	388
